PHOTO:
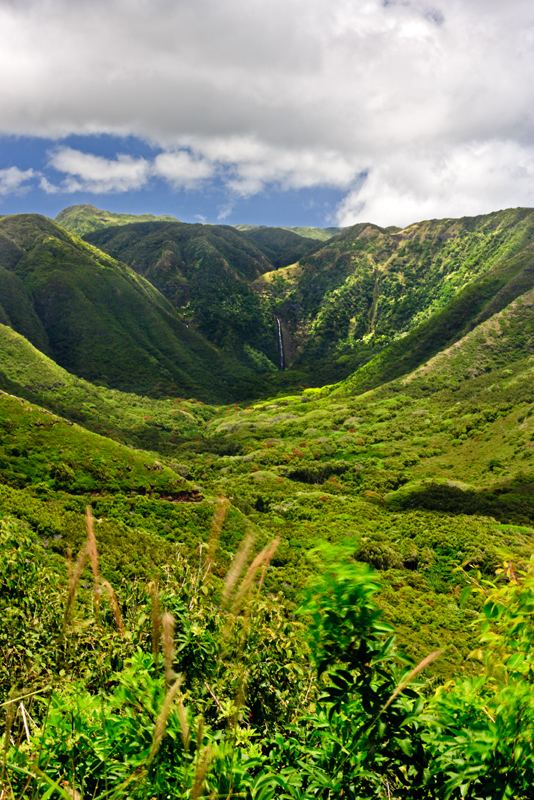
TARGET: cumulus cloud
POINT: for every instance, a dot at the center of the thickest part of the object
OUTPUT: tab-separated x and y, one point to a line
298	93
95	174
248	164
181	169
465	180
14	180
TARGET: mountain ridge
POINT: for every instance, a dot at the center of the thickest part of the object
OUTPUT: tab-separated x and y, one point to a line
85	218
103	321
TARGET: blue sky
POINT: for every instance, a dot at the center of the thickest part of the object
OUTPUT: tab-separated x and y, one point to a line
296	112
211	202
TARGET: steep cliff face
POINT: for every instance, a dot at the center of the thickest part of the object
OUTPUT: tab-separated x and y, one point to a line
367	287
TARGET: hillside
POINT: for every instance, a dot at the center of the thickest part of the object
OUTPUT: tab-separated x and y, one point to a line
319	234
205	272
281	246
134	420
82	219
370	287
418	475
101	321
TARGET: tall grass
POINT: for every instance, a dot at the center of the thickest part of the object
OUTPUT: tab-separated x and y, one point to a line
160	698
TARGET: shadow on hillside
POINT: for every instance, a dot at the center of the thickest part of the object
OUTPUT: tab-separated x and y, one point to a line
511	502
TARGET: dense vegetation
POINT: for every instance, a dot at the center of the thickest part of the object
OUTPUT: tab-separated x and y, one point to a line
205	272
100	320
255	606
408	293
281	246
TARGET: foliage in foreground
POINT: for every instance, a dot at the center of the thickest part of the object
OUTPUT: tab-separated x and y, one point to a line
202	689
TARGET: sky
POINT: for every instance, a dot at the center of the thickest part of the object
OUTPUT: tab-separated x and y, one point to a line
275	112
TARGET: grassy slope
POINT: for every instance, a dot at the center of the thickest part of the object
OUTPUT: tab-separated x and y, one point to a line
418	475
134	420
84	218
51	469
102	321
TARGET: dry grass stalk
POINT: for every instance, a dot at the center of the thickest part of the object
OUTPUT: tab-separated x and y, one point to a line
167	623
182	716
69	564
25	722
115	605
268	557
93	555
240	697
200	774
217	701
74	579
200	733
236	568
409	678
163	717
248	580
155	618
217	522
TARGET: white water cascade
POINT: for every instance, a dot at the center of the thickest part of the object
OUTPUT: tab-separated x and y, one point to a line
280	344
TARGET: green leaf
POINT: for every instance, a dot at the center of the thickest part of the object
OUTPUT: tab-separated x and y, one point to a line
515	661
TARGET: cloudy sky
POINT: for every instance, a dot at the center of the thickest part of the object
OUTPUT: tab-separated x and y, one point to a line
296	112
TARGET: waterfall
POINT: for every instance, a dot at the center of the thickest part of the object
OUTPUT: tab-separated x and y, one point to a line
280	344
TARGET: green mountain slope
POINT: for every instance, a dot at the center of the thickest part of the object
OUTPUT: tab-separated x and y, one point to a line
137	421
205	271
84	218
369	287
100	320
414	477
319	234
281	246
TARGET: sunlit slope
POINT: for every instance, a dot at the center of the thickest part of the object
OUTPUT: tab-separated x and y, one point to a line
205	272
319	234
369	286
432	469
100	320
84	218
417	476
138	421
40	447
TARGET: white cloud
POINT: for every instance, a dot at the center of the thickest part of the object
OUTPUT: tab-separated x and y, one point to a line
462	181
90	173
298	93
181	169
248	164
14	180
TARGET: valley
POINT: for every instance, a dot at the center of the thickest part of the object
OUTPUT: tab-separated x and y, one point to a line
393	448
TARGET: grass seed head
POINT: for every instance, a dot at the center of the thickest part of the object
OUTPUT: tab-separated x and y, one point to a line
167	623
163	718
236	568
